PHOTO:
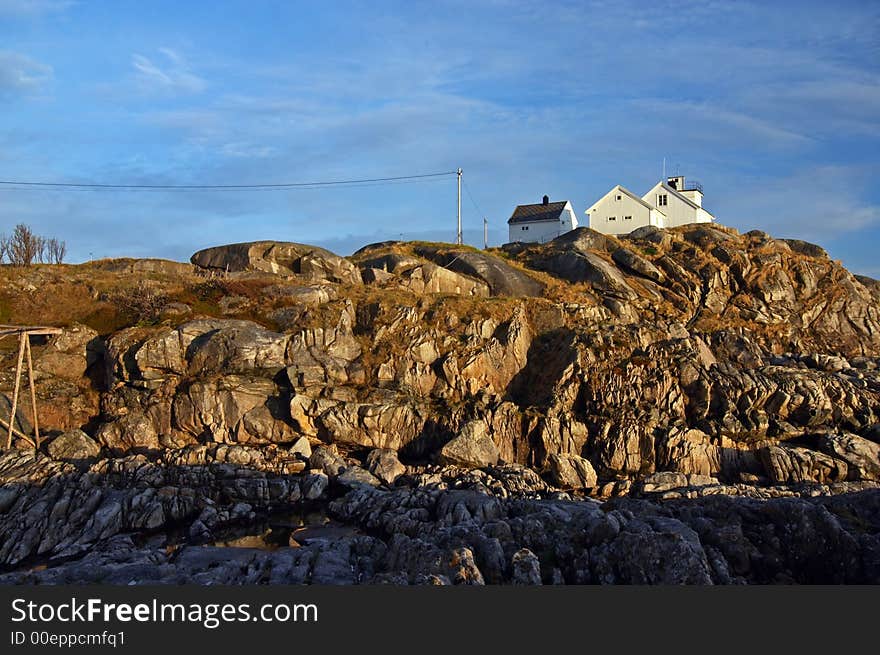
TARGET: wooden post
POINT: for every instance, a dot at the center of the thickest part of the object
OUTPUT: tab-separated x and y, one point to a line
21	338
24	333
30	363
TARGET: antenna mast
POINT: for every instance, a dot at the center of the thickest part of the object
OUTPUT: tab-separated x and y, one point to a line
485	233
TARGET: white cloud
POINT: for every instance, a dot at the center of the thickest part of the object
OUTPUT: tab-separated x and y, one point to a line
172	74
815	204
21	75
246	150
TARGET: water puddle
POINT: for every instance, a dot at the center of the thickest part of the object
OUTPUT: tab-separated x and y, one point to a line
286	530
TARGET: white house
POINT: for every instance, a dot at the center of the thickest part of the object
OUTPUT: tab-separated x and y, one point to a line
667	204
541	222
681	203
620	211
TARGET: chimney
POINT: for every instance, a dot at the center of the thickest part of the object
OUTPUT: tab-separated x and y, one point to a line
676	182
546	200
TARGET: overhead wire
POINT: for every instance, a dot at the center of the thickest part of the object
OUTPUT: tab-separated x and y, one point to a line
21	185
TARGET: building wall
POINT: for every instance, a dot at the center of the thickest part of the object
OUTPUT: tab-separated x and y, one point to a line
609	215
543	231
704	217
694	196
677	211
537	231
568	218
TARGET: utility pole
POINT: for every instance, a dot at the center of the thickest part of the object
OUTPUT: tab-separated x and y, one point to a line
485	234
458	234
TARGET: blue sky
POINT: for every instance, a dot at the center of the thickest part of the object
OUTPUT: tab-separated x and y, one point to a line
774	107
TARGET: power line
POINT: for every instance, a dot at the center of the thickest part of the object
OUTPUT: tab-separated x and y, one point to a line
222	187
474	202
148	190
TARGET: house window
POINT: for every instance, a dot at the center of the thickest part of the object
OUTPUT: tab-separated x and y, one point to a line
526	227
618	197
627	218
612	218
661	200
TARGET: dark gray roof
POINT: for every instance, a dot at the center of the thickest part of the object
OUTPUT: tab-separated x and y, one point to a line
538	212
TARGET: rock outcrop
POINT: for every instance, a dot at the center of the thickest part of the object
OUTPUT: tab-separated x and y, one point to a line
310	262
669	374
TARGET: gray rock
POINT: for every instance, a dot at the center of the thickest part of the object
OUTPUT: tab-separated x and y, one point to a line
571	471
301	446
806	248
652	234
585	239
314	485
473	448
383	463
285	258
73	445
632	262
577	266
526	568
502	278
861	455
355	476
326	458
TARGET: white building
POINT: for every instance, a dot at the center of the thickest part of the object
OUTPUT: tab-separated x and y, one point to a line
541	222
620	211
667	204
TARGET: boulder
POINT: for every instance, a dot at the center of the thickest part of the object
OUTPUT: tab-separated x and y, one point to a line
313	295
383	463
472	448
215	409
302	447
281	257
133	432
576	266
238	349
355	476
69	354
651	234
861	455
501	278
664	481
326	458
792	464
571	471
430	278
806	248
392	262
585	239
526	568
73	445
627	259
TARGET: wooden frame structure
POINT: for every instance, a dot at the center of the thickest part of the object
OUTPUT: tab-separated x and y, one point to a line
24	333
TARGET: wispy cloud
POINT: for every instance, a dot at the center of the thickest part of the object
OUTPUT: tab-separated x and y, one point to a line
170	74
21	75
33	7
724	124
815	203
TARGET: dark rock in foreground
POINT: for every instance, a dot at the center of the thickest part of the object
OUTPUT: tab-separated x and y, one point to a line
130	521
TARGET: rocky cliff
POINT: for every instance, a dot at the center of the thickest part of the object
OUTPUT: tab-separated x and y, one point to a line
468	414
